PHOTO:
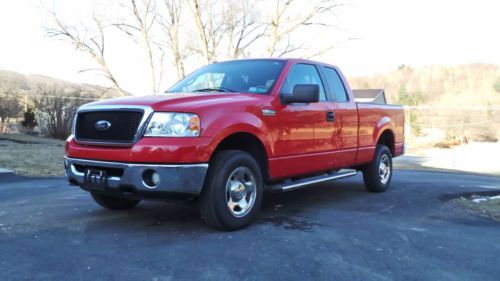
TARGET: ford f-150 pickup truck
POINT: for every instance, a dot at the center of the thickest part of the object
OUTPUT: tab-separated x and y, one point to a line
230	131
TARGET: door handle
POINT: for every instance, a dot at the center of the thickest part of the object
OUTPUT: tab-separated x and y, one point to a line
330	116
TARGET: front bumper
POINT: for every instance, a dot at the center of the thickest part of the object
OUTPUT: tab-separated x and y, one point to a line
128	178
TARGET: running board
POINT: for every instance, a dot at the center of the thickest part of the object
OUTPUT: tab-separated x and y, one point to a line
288	185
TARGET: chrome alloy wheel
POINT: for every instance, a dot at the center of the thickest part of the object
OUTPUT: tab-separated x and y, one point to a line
384	169
241	191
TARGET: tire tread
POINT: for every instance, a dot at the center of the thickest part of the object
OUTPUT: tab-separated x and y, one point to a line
370	171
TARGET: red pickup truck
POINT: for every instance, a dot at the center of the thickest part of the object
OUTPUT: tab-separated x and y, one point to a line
230	131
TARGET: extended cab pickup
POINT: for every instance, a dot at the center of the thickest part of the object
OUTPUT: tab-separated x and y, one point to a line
230	131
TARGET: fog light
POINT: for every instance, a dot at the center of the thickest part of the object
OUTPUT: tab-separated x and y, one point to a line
155	178
151	179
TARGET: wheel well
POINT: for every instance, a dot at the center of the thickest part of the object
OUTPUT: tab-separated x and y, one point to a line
387	139
248	143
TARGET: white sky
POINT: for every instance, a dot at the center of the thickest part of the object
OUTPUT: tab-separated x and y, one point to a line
390	33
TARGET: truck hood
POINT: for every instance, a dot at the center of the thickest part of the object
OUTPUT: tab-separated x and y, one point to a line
185	102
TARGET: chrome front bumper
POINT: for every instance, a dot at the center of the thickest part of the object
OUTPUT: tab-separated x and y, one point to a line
129	177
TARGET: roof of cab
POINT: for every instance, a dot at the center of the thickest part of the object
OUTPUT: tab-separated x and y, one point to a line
283	59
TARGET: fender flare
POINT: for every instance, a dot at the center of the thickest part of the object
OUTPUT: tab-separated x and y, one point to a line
384	124
246	123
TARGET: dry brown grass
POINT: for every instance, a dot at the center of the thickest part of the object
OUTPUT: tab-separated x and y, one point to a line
447	143
487	208
32	156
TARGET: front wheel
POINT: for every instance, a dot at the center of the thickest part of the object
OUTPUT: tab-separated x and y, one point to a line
232	193
378	174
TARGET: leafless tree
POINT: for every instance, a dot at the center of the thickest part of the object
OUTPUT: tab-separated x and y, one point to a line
10	107
92	45
283	23
229	29
139	26
171	24
55	110
243	26
210	27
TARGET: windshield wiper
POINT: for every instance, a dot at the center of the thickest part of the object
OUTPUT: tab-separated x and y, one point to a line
220	89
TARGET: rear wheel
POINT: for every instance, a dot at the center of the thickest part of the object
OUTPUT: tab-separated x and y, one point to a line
114	203
232	193
378	174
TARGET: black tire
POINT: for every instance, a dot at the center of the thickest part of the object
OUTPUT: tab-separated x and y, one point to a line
114	203
374	179
214	206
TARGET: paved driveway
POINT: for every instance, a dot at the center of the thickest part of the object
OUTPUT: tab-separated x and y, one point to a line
331	231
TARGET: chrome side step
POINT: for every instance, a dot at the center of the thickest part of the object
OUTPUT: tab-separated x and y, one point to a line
288	185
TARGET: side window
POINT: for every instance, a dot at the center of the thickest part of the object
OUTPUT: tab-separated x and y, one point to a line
335	84
303	74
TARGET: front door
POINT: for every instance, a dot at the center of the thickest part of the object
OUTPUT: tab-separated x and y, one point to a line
302	141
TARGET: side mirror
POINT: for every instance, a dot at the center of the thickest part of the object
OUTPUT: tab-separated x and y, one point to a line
302	93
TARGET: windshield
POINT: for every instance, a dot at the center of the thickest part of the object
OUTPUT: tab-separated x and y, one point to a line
243	76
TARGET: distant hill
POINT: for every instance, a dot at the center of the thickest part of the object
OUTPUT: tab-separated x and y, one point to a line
471	84
30	84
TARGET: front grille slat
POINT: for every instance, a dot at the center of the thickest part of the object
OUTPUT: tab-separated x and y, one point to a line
124	125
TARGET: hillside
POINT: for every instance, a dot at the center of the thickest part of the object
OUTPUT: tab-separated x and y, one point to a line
471	93
46	105
472	84
13	82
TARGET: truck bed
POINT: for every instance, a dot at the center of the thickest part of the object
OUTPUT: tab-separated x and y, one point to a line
371	117
370	96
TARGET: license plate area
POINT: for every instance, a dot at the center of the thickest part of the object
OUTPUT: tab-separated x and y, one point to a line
95	179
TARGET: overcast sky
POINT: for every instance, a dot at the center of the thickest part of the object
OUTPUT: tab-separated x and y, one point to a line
389	32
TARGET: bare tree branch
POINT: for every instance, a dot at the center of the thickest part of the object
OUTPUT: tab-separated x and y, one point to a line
326	49
93	46
211	27
242	26
170	25
143	18
282	24
223	29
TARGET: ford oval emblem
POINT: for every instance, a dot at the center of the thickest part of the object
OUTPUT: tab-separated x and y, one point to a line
102	125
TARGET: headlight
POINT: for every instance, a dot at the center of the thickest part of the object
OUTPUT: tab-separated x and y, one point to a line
170	124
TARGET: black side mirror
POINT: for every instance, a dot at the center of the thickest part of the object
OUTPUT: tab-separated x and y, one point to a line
302	93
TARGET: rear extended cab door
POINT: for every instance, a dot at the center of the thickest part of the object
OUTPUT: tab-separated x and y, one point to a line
345	133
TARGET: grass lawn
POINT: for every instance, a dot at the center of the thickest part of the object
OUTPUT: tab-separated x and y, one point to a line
485	205
32	156
38	156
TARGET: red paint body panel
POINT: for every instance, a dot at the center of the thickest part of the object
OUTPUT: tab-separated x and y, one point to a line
374	119
147	150
298	140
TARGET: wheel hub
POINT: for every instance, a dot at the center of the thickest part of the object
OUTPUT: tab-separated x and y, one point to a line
237	190
241	191
384	169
